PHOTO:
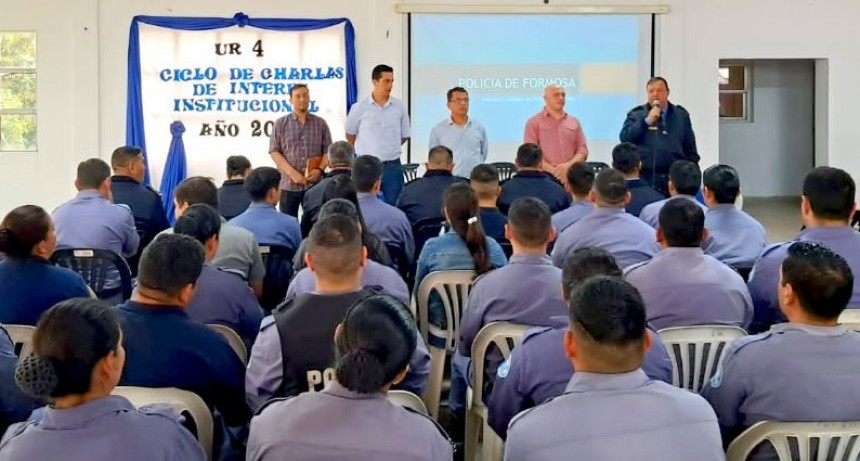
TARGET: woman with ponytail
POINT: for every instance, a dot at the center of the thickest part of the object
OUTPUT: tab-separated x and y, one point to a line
29	283
77	362
351	418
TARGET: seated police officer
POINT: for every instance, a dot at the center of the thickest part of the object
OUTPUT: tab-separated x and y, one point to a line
580	180
626	159
422	198
685	180
269	226
532	181
233	199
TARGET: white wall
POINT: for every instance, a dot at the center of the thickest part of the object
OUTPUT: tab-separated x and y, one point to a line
692	39
778	139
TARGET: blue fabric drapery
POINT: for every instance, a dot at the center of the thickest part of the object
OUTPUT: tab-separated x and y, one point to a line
134	129
175	169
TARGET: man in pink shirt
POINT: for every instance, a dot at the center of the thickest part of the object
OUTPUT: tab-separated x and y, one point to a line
558	134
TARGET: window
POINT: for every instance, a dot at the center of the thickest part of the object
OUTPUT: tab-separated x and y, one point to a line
17	92
735	92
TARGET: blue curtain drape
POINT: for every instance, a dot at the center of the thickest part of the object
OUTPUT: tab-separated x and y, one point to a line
134	133
175	169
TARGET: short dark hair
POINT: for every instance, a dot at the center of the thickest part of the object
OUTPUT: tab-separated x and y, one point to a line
484	180
626	158
529	155
260	181
200	221
297	86
339	206
607	316
821	279
723	181
440	155
197	189
366	170
22	229
70	339
380	69
682	222
610	187
530	221
341	153
456	89
92	173
580	178
170	262
587	262
376	341
657	79
335	246
686	176
830	192
237	165
124	156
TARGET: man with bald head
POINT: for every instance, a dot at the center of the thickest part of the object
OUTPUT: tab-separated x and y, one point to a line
559	135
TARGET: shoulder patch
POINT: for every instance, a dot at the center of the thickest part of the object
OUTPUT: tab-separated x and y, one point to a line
435	423
504	369
736	346
270	402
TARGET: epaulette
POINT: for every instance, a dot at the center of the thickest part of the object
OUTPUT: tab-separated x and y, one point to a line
435	423
236	272
526	412
771	248
268	321
633	267
281	308
270	402
638	108
123	206
535	332
163	410
14	431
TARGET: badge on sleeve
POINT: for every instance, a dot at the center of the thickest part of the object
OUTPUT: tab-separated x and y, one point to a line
504	369
717	379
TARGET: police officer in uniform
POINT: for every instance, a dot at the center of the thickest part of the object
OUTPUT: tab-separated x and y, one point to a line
662	131
803	370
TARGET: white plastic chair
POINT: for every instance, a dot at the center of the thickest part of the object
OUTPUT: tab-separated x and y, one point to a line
407	399
453	287
851	319
697	351
22	334
500	334
184	402
233	339
811	440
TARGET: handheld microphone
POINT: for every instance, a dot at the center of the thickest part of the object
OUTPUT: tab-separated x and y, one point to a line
655	103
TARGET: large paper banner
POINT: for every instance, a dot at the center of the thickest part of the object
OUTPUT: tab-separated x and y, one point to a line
228	80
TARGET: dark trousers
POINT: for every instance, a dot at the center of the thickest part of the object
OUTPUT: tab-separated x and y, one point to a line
290	201
392	181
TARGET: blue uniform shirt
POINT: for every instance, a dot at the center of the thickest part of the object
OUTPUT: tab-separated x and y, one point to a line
536	184
29	287
493	222
736	238
422	198
145	204
92	221
592	420
793	372
641	195
14	405
233	199
105	429
539	370
684	286
651	213
387	222
269	226
378	130
577	210
628	239
223	297
165	348
374	274
468	143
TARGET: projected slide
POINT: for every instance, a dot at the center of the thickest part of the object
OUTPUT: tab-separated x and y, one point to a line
505	62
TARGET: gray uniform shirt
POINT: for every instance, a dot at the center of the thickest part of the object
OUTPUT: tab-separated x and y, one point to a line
337	424
238	250
651	213
629	239
611	417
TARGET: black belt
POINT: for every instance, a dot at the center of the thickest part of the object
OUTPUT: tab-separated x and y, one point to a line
389	162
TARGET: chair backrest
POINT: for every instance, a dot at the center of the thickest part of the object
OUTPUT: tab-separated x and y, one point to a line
233	339
401	261
697	351
506	170
507	248
596	166
278	260
423	230
504	335
22	338
184	402
407	399
453	288
410	172
851	319
97	267
832	441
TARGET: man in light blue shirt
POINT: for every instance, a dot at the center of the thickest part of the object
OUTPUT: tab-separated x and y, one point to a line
378	126
685	179
269	226
580	179
736	238
465	136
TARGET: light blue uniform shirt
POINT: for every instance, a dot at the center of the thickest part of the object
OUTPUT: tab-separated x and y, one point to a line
629	239
610	417
374	274
577	210
651	213
269	226
387	222
736	238
468	143
378	130
92	221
